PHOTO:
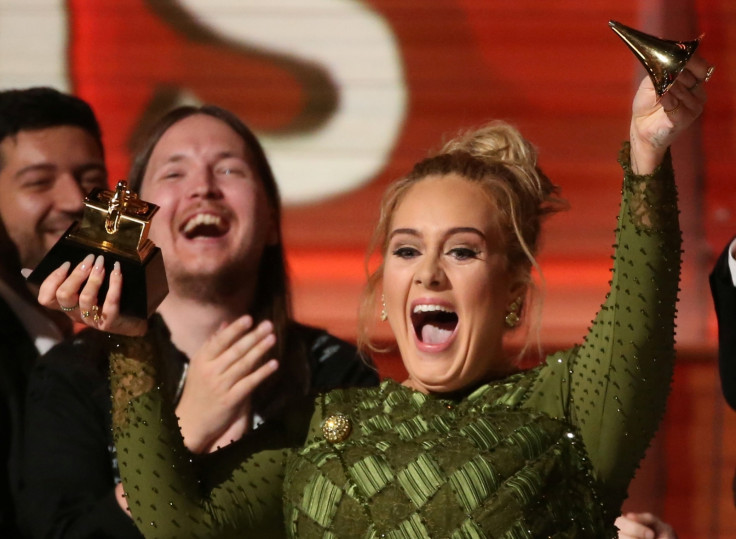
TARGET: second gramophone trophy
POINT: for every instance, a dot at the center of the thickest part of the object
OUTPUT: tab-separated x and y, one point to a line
663	59
115	225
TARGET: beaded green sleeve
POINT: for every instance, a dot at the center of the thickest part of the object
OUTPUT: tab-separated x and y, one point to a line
613	388
164	482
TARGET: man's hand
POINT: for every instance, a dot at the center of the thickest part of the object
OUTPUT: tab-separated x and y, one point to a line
215	405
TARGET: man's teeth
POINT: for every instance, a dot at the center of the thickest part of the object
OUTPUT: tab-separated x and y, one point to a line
431	308
203	219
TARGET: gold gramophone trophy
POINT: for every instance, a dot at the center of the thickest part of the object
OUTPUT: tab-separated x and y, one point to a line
115	224
663	59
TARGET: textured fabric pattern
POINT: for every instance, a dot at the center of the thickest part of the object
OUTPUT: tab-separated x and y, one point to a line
544	453
419	466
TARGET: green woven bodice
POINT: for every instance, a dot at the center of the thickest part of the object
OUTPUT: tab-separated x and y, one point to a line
416	466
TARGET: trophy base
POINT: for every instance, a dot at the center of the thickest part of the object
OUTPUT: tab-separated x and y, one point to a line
144	282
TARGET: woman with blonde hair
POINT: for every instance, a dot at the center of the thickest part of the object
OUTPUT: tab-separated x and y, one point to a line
468	445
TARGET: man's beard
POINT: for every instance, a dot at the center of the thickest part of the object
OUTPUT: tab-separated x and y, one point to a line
211	287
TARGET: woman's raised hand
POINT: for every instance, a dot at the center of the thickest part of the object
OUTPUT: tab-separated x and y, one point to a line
76	294
655	124
215	406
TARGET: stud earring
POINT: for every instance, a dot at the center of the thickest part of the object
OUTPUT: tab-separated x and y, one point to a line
512	318
384	314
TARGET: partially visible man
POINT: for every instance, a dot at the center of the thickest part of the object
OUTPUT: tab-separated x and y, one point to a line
723	289
50	155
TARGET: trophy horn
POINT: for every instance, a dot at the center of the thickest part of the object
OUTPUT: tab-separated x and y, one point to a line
663	59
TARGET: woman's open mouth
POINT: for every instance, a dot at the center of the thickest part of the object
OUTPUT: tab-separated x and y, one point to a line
433	324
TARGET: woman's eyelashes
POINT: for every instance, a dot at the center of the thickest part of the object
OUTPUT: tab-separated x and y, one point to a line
457	253
464	253
405	252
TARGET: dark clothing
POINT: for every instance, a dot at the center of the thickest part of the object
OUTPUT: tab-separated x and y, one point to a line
17	355
724	299
70	467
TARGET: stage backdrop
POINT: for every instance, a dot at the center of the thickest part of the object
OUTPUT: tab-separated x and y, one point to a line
347	94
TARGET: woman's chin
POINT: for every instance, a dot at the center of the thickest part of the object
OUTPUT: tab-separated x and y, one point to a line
434	380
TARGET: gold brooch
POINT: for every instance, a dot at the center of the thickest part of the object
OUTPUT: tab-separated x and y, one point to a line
336	428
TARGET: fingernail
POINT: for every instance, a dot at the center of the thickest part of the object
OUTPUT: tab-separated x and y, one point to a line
99	263
66	265
25	272
87	262
116	268
266	325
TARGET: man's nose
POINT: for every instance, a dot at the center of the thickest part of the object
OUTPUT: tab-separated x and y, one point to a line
204	183
68	194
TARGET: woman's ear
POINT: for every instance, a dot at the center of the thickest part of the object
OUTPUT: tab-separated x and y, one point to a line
517	292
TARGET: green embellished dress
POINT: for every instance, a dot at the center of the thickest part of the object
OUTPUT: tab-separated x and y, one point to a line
547	452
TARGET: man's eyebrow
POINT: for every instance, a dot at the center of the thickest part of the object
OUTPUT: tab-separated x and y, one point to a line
34	167
225	154
50	167
91	166
175	158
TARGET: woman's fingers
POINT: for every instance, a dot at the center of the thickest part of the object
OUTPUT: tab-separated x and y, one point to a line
111	307
49	286
89	293
67	295
77	294
689	97
700	67
688	92
60	290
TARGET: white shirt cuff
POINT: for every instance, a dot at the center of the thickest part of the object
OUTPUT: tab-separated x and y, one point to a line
732	261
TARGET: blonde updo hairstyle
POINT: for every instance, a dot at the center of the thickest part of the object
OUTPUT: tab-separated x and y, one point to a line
504	164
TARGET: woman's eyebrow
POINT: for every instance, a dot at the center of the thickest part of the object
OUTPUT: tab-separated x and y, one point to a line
450	232
464	230
408	231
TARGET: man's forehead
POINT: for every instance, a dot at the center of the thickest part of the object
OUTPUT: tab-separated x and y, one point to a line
26	138
48	148
53	137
